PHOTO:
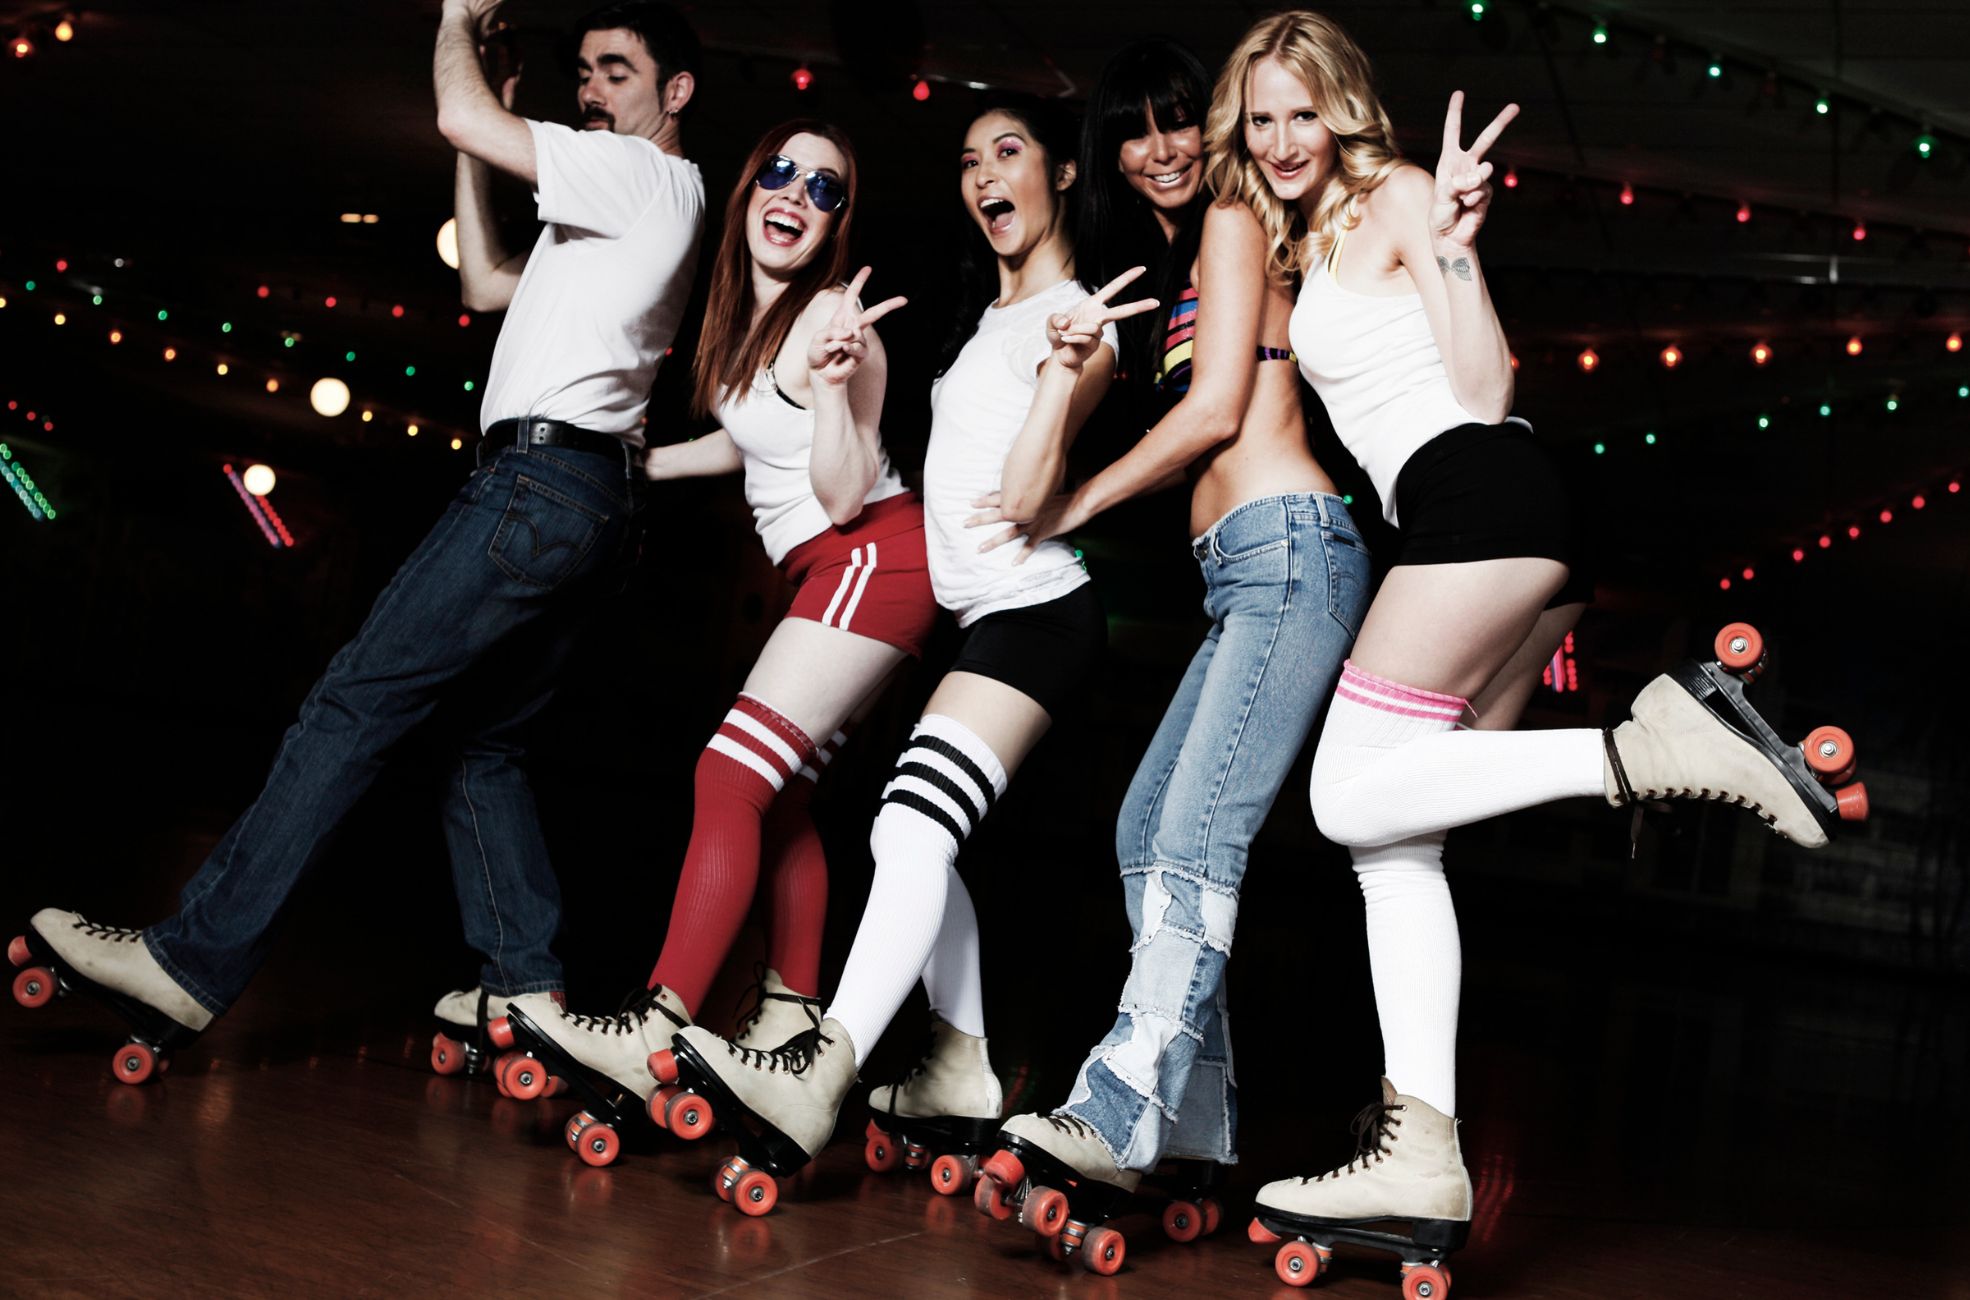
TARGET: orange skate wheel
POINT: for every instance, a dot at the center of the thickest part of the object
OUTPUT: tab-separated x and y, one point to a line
755	1193
951	1175
1213	1215
689	1116
1182	1221
1298	1263
659	1100
17	952
1829	751
873	1130
447	1056
556	1085
526	1079
1260	1234
990	1198
599	1145
1852	801
663	1066
1005	1167
1425	1282
1057	1249
500	1031
572	1132
133	1063
1103	1252
1044	1211
881	1155
1739	646
35	986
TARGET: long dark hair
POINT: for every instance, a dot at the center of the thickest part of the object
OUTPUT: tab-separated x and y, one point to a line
732	350
1052	126
1116	225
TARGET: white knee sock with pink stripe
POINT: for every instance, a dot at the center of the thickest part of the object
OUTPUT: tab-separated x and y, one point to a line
1395	762
1395	770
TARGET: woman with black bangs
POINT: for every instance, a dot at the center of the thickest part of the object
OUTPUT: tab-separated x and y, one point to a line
1286	582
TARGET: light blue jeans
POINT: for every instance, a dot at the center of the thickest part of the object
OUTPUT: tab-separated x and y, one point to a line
1286	583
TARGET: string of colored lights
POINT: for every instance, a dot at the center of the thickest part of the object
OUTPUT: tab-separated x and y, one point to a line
1563	673
273	517
1718	66
24	485
1894	399
253	507
1878	510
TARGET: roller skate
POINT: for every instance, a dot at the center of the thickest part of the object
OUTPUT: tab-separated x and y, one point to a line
1055	1177
62	953
777	1012
464	1043
1408	1174
604	1059
1192	1208
778	1103
949	1104
1694	735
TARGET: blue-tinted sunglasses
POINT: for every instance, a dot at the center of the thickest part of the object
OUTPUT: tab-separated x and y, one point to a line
827	192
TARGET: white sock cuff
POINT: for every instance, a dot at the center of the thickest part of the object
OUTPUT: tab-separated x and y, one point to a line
952	732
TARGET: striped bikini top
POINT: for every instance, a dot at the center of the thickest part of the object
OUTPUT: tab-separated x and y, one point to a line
1173	372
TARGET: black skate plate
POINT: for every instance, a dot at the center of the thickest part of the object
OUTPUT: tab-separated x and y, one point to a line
148	1025
761	1145
1428	1241
603	1097
1723	694
942	1134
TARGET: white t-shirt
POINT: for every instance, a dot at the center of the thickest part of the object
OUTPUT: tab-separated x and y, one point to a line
776	438
977	408
606	284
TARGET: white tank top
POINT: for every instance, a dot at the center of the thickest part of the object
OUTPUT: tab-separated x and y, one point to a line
1376	367
776	438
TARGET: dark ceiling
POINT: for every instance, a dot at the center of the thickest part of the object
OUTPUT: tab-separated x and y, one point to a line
215	146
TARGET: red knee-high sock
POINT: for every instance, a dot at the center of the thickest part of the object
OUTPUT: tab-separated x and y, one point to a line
797	879
746	764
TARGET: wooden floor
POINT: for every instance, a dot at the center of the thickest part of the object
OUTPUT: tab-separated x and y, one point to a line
328	1160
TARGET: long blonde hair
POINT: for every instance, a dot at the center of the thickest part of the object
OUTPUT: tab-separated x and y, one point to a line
1336	72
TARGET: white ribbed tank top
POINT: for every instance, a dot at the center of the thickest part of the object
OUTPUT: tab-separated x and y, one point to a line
1376	367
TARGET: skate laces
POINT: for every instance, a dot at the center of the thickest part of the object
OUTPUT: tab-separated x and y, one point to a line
1072	1125
748	1016
107	933
790	1057
1370	1128
635	1009
1643	800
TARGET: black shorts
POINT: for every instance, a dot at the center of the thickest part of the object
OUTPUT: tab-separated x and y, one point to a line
1490	492
1045	652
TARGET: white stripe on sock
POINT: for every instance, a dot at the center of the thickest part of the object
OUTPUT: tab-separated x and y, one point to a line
765	735
738	753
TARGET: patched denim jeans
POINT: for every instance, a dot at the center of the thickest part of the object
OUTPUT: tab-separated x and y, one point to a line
1286	585
471	636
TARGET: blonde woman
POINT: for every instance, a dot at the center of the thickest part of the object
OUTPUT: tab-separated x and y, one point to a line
1396	331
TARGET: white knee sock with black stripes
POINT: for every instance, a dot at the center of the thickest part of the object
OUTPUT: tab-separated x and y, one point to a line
944	784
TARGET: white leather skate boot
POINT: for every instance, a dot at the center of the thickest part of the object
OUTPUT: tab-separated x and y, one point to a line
617	1047
1409	1167
117	961
777	1012
949	1104
794	1090
1695	735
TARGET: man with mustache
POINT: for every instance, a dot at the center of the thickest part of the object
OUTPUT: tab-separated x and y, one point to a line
477	625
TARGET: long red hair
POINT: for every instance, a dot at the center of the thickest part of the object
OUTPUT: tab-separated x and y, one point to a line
731	350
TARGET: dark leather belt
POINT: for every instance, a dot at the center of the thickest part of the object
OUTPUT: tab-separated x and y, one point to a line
537	432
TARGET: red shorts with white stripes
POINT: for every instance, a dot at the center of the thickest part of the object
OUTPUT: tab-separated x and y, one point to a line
870	577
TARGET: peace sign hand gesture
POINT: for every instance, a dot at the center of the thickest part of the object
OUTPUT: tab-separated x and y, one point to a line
838	349
1463	178
1074	335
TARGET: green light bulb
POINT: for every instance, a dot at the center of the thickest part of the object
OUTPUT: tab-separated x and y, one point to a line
1649	438
409	371
226	328
1715	70
1825	409
163	315
1764	421
348	356
1600	33
1600	449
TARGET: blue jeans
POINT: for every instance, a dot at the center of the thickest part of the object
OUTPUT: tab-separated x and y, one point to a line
471	635
1286	584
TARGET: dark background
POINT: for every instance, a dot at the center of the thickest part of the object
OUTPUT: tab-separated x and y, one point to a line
1720	996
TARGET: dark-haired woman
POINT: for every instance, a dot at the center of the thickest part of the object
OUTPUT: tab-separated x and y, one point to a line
1032	365
1286	583
794	373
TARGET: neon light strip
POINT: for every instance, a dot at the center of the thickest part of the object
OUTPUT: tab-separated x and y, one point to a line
253	508
267	504
23	485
